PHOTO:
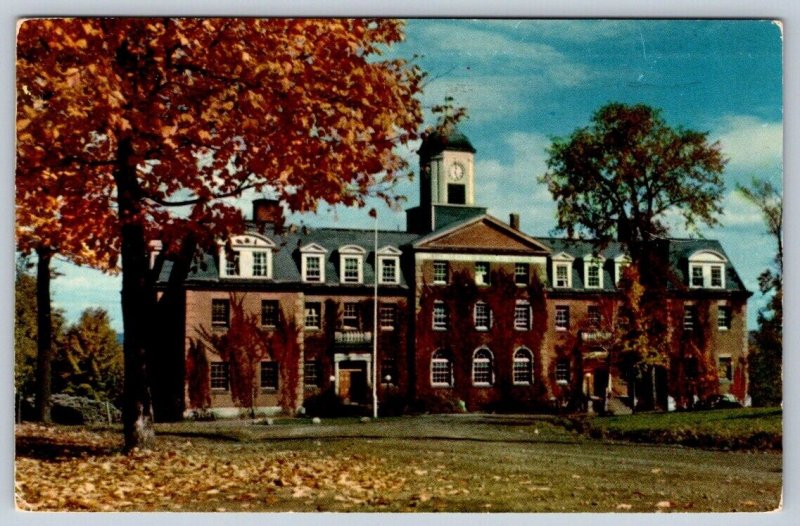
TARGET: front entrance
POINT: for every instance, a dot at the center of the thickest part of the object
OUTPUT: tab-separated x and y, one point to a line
351	385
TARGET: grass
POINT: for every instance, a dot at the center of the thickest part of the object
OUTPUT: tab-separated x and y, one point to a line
749	428
462	463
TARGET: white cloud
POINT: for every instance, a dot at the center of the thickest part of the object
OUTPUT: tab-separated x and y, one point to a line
513	187
751	144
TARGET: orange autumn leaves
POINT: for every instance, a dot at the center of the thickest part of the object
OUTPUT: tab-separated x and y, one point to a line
307	109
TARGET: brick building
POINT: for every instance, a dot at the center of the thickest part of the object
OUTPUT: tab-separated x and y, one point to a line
470	309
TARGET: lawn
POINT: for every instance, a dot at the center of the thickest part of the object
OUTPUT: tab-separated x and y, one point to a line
428	463
751	428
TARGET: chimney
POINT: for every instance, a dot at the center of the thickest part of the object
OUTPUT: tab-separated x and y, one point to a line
513	221
268	211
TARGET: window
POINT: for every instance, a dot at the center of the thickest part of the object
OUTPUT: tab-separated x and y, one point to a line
440	271
313	315
562	371
313	269
350	317
269	313
562	317
723	317
593	276
232	264
482	367
521	273
388	269
523	367
456	194
220	313
594	317
725	368
482	273
269	376
697	276
260	263
387	317
707	269
483	316
389	371
219	376
621	262
311	373
441	369
562	275
522	316
689	317
716	276
351	268
439	316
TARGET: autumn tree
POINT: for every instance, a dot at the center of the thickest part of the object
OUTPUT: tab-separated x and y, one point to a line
166	114
622	177
89	361
765	361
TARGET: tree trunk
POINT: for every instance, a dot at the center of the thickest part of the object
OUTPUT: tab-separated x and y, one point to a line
137	304
44	334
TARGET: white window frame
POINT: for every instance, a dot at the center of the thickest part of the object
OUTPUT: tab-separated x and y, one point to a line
485	361
260	269
311	374
706	261
262	367
480	325
689	317
307	308
352	317
383	309
517	274
590	311
483	278
441	357
446	266
271	303
620	263
558	325
724	313
520	306
385	255
526	362
218	371
562	371
351	253
562	260
591	261
439	322
312	251
244	248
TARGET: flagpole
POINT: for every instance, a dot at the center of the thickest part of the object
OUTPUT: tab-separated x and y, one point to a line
375	327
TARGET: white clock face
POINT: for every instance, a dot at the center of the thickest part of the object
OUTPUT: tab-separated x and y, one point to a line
456	172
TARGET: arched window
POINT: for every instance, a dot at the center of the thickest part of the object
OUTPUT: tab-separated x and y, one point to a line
523	367
482	369
441	369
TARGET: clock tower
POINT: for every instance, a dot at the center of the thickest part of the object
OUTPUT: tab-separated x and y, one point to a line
447	169
447	182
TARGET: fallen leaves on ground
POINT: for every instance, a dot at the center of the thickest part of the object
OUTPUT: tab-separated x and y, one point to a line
91	474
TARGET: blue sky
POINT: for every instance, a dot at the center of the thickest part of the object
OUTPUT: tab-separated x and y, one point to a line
526	81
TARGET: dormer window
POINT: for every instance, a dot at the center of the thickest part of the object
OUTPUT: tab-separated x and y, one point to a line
593	271
351	264
562	270
312	260
247	256
389	265
707	270
620	263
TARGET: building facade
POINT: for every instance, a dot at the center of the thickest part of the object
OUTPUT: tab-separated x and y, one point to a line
471	312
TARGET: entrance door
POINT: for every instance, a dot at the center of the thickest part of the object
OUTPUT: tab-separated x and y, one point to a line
352	382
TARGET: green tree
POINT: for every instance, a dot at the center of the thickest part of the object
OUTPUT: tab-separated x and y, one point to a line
89	361
26	330
622	177
766	358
